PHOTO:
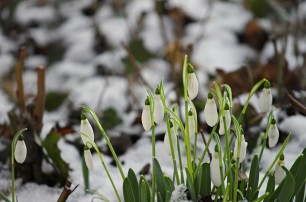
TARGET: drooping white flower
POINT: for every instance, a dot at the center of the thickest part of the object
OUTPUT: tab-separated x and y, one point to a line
193	85
85	128
265	98
227	116
20	153
215	174
158	112
191	126
88	158
210	111
273	134
279	172
145	116
167	142
243	149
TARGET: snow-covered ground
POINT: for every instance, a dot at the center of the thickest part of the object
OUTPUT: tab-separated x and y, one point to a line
213	30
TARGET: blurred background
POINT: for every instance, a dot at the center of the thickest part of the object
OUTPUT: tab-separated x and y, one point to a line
58	54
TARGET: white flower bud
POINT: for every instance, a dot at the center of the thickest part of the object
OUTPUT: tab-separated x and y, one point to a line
88	158
145	116
243	149
20	151
86	129
227	116
280	173
265	98
167	142
215	174
210	111
158	109
273	134
193	85
191	127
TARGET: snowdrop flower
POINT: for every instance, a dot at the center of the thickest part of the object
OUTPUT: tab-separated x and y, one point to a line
227	116
215	174
88	158
193	85
273	134
86	129
210	111
243	149
280	173
173	138
158	112
20	150
265	98
146	116
191	126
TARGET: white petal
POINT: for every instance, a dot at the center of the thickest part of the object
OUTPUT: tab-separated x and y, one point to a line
221	125
243	149
227	116
191	128
210	112
265	100
88	159
273	135
167	142
215	174
279	174
146	118
20	151
86	129
193	86
158	109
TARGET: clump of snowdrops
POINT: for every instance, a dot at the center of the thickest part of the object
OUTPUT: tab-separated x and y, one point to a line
222	178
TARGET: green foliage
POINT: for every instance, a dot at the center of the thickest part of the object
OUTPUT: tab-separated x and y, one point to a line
85	175
254	178
54	100
160	181
54	153
203	182
110	119
128	191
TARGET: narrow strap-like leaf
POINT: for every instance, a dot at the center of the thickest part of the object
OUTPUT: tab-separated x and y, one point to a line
133	179
128	191
160	182
270	187
254	177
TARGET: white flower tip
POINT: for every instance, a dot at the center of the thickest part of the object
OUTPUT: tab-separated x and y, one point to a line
210	112
167	142
193	86
146	118
88	159
158	112
215	173
20	153
85	128
280	174
265	100
273	135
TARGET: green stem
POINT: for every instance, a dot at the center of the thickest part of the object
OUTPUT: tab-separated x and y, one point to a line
180	160
90	141
275	160
265	137
253	91
94	116
14	141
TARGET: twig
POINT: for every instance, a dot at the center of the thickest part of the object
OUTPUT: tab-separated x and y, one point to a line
136	65
298	105
19	70
66	192
40	97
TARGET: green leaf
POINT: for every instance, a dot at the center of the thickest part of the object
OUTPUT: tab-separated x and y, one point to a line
85	175
203	180
230	94
3	197
169	184
168	196
190	186
54	100
50	144
288	188
128	191
254	177
160	181
270	187
299	173
144	190
133	179
300	195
